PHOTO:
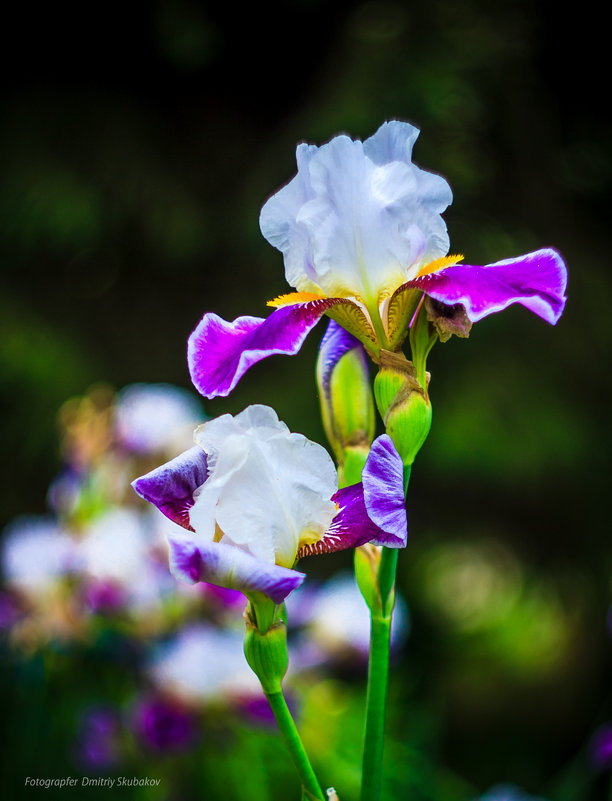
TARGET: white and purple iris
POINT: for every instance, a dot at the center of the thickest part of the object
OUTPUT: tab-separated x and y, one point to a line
360	230
252	498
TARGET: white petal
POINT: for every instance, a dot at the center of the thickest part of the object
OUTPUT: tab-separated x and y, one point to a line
359	219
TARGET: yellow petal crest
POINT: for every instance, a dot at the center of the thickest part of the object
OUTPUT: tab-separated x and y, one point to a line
439	264
294	297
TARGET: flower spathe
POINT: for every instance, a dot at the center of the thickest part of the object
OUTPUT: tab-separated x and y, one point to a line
362	236
252	498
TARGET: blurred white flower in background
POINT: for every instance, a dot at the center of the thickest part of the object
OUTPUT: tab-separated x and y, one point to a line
156	417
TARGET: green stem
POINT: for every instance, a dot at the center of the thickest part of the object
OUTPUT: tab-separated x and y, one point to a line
386	578
378	672
294	744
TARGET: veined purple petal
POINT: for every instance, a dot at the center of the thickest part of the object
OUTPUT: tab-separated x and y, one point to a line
350	527
373	510
195	560
219	352
536	280
171	486
383	491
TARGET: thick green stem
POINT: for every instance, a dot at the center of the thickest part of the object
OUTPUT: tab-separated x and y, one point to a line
375	707
378	671
294	744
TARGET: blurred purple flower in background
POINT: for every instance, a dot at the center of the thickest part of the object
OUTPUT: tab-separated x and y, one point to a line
164	724
600	748
507	792
97	743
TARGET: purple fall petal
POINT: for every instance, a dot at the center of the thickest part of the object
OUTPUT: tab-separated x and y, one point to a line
228	566
383	490
350	527
536	280
219	352
171	486
373	510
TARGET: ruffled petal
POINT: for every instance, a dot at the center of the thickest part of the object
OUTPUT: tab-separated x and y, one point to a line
278	223
536	280
192	560
358	215
219	352
383	489
171	487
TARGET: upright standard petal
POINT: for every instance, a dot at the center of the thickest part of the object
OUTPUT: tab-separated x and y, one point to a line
193	560
536	280
358	218
171	487
219	352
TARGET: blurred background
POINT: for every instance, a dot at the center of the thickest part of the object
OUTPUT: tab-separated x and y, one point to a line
138	143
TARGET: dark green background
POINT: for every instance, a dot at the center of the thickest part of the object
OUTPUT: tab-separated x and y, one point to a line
139	142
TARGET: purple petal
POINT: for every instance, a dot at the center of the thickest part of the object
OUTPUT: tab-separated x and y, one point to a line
350	527
219	352
373	510
383	490
228	566
171	486
536	280
335	343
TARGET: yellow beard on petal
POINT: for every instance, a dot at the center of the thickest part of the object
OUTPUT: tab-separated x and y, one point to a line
439	264
291	298
309	536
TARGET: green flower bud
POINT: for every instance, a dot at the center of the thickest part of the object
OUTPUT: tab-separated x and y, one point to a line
350	471
266	652
367	560
347	405
403	404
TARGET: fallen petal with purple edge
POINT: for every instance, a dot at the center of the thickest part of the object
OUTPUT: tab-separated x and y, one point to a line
536	280
171	486
383	491
228	566
219	352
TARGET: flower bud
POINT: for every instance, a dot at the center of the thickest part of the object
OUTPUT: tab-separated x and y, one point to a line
266	653
403	404
347	405
367	560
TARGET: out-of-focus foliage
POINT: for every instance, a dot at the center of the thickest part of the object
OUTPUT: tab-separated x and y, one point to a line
137	154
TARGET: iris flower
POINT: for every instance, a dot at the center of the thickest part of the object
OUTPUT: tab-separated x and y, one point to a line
362	236
252	498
